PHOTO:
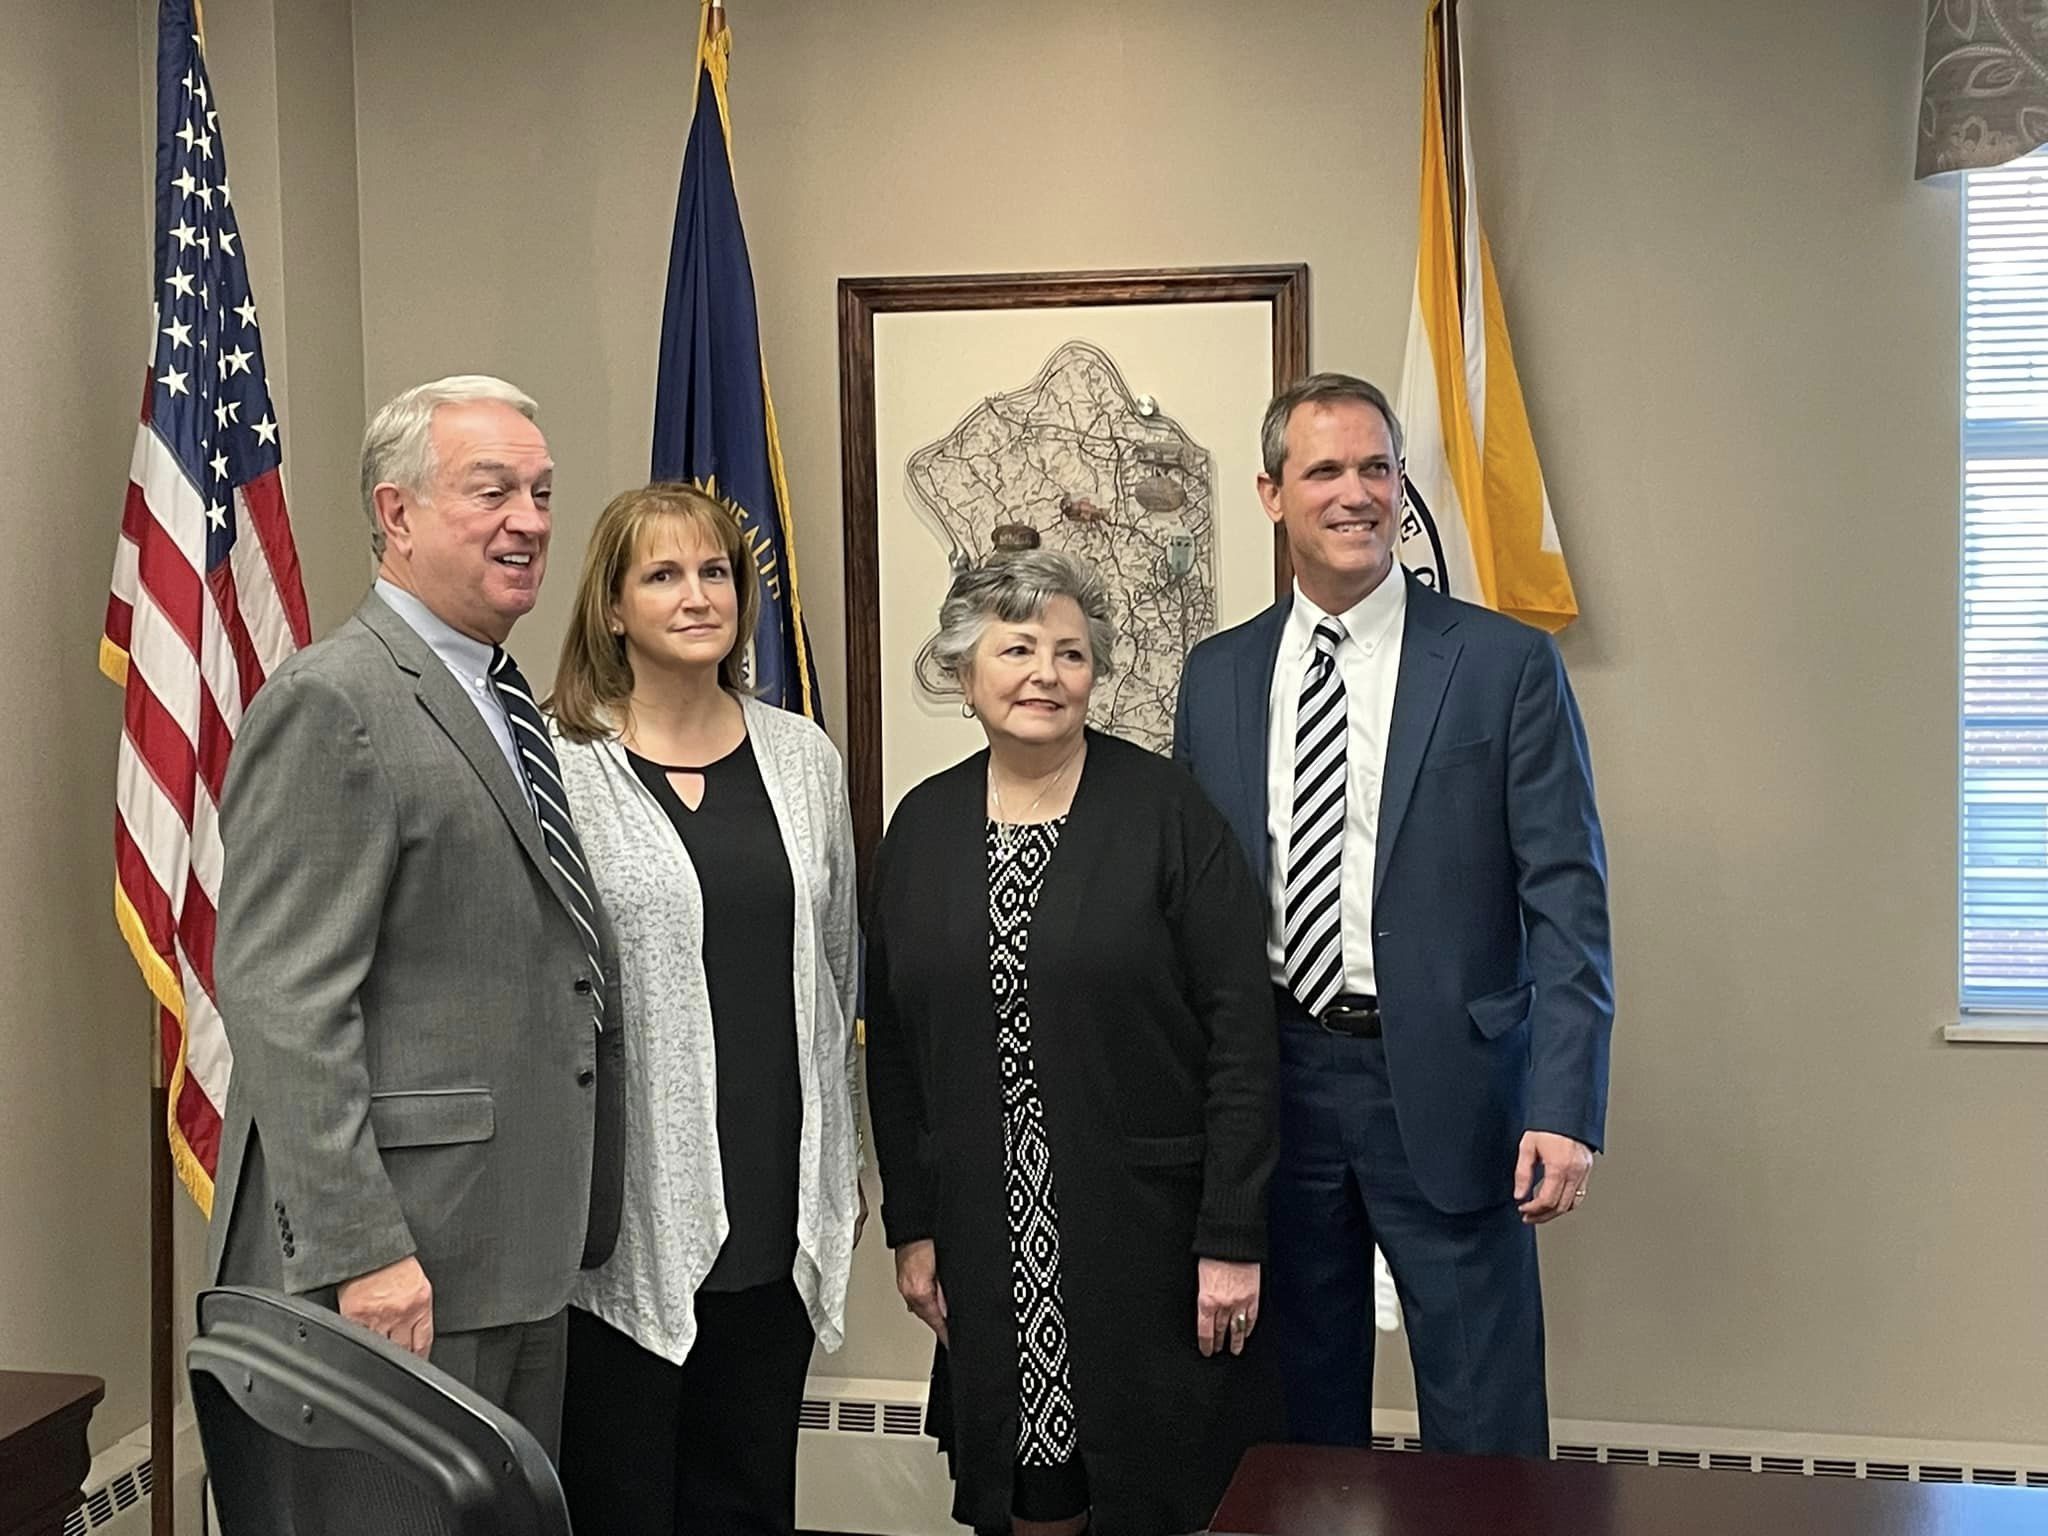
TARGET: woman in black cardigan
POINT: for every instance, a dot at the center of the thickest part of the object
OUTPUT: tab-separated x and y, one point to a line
1074	1146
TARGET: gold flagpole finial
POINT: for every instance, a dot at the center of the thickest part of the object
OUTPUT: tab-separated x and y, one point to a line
715	21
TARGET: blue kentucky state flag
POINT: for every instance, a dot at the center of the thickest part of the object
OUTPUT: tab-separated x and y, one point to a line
714	424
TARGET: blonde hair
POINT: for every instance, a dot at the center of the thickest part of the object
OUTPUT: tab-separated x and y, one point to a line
594	677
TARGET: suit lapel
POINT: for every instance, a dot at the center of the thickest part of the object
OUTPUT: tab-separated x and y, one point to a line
458	719
1256	659
1429	653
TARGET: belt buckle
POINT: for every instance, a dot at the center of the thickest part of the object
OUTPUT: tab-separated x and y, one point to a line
1333	1018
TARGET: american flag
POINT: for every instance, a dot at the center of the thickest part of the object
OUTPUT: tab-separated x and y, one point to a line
206	598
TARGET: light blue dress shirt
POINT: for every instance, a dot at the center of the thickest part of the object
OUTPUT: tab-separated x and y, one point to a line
468	661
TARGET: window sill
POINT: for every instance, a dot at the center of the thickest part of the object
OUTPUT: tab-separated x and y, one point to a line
1998	1029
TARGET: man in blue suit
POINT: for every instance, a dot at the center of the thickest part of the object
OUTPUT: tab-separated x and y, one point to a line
1409	776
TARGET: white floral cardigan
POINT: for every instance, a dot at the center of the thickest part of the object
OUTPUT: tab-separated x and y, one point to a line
674	1218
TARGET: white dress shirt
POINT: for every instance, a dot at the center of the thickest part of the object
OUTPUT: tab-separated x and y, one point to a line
1369	661
468	661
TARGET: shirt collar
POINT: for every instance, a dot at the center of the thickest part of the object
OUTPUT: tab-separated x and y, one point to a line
1367	623
460	653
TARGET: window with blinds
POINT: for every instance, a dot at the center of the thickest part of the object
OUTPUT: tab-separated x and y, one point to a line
2004	892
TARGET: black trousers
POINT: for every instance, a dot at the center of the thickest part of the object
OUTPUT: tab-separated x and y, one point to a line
655	1449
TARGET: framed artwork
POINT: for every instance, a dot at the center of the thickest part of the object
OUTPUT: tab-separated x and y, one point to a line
1113	415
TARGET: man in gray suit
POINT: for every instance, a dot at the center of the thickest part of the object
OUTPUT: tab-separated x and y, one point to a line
421	1128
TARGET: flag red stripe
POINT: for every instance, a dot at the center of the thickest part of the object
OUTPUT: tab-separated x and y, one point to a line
171	582
170	1032
132	870
215	740
160	744
198	1116
196	927
135	516
220	581
200	1121
265	496
120	623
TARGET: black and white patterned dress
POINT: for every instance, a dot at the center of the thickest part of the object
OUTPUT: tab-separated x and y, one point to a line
1046	1430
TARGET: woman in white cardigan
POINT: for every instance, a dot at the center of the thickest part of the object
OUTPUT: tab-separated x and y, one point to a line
717	832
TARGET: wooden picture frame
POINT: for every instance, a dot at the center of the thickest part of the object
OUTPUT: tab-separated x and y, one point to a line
1192	298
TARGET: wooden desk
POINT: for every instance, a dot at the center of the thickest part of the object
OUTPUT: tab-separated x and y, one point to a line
1316	1491
43	1454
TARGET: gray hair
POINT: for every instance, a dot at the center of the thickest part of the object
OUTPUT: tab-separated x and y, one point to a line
1016	588
1319	389
398	445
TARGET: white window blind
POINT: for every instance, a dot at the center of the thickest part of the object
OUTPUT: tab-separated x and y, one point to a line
2004	892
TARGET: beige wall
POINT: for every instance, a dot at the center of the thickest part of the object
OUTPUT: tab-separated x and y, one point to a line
74	1028
1736	320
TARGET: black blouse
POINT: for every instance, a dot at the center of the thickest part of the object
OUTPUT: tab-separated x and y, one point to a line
749	909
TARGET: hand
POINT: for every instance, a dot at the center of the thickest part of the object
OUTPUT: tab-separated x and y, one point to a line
917	1282
395	1301
860	1217
1565	1165
1226	1305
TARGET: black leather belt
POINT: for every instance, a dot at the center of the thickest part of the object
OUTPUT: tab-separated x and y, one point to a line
1353	1014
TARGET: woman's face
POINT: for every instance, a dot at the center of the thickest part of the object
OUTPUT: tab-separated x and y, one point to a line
678	604
1029	683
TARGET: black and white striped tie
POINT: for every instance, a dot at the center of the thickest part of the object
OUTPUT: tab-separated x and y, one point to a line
1313	939
550	804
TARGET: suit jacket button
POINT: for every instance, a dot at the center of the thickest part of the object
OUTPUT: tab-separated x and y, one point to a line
289	1250
585	1078
583	986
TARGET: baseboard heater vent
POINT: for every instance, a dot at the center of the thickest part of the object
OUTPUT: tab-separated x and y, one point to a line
878	1409
1781	1465
115	1504
853	1417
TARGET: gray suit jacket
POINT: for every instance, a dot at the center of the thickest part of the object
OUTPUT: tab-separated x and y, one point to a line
416	1065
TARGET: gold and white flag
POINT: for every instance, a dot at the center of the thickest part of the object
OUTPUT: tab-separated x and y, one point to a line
1478	524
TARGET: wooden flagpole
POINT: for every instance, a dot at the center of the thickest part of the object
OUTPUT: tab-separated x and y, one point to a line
163	1333
1451	72
162	1302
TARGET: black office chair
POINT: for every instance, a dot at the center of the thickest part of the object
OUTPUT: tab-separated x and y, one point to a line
314	1426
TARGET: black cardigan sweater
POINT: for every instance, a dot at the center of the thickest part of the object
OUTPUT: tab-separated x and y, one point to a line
1154	1044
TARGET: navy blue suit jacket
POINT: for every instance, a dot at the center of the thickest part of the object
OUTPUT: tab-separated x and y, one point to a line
1490	939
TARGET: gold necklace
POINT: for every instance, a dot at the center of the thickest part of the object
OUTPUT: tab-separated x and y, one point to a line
1009	835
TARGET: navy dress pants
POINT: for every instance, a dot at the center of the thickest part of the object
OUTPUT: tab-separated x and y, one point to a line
1470	1297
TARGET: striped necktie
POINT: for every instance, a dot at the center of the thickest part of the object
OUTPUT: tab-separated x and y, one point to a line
1313	939
550	803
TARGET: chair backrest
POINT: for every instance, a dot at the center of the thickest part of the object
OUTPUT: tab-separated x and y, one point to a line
314	1426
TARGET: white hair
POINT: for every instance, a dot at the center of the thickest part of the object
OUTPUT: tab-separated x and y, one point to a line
398	445
1015	588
